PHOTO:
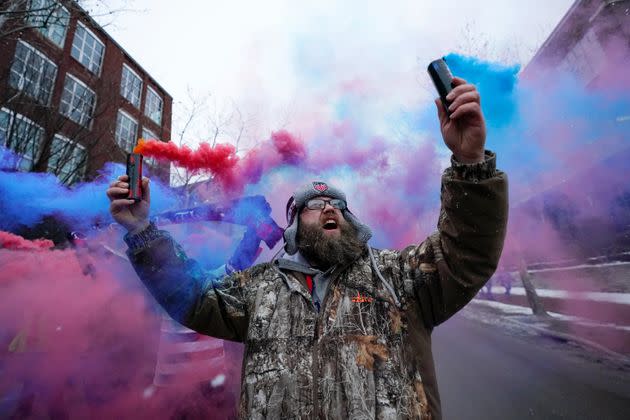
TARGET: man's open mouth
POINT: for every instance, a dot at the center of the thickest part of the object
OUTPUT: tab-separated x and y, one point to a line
330	225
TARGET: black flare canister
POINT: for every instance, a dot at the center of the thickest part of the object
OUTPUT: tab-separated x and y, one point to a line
134	172
442	79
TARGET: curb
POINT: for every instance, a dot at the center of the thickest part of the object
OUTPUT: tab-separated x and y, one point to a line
569	337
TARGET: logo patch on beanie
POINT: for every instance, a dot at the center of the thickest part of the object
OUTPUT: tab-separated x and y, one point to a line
320	186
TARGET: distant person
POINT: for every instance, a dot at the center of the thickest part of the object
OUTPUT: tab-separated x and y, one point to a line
332	327
504	278
488	288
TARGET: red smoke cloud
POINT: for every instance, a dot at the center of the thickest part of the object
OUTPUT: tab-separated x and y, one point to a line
232	172
11	241
290	148
218	159
77	345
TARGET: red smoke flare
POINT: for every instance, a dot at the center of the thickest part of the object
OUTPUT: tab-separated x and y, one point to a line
289	148
232	172
217	160
11	241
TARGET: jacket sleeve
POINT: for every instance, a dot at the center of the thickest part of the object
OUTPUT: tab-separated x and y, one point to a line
452	265
210	304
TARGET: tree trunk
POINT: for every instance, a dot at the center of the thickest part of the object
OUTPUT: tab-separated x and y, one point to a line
535	303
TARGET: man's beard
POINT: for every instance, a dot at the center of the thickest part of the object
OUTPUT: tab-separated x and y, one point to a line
324	251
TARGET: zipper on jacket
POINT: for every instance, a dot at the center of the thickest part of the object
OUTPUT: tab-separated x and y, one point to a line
315	373
314	350
333	283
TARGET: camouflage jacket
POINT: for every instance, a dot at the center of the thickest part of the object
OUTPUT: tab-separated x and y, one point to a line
367	353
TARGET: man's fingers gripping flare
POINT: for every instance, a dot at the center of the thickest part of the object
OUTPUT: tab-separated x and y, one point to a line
471	108
117	205
146	190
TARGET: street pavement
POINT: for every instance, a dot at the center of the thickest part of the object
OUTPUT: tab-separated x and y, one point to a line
491	370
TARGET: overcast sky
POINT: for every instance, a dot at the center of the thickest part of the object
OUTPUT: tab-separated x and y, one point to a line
281	60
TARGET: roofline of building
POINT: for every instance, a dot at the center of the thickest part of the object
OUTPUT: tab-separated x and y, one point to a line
555	31
86	15
560	26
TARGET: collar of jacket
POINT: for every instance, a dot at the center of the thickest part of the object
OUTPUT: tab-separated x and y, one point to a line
296	282
295	262
297	265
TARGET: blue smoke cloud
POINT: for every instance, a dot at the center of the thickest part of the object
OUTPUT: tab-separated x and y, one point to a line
496	83
28	197
541	129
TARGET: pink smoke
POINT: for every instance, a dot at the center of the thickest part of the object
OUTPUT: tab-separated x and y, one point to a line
85	345
16	242
221	161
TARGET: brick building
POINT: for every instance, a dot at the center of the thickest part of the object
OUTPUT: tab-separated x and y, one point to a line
71	98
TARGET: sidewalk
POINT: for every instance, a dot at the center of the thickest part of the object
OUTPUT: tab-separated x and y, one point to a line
588	302
621	298
603	307
611	339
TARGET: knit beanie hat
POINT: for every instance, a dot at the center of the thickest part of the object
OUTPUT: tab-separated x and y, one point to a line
297	202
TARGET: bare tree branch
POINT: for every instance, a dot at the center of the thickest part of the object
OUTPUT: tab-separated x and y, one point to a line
48	140
202	117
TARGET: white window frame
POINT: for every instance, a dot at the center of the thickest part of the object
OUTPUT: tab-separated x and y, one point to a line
123	86
123	142
40	74
76	174
5	130
30	158
82	52
2	128
151	135
586	58
90	116
146	105
54	22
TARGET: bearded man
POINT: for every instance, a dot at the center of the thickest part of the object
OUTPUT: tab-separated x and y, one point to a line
332	327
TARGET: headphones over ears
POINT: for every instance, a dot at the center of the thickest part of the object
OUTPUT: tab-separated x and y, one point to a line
291	211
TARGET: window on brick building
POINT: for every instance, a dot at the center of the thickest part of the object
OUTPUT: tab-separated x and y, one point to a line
32	73
153	106
5	119
88	49
51	19
148	134
67	159
586	58
77	101
130	86
126	131
22	136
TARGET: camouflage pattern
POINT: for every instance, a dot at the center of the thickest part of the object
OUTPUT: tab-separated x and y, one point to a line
366	354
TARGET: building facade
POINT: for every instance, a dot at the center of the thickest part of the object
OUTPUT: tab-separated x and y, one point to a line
592	41
71	98
590	209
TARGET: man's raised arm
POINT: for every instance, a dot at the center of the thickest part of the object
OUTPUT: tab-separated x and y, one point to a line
454	263
199	300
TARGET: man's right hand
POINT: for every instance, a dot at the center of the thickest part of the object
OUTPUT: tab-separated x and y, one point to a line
132	215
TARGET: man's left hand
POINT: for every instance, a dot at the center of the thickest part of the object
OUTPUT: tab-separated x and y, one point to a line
464	132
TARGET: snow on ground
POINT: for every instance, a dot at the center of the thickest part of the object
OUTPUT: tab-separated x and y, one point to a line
622	298
581	266
522	310
504	307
